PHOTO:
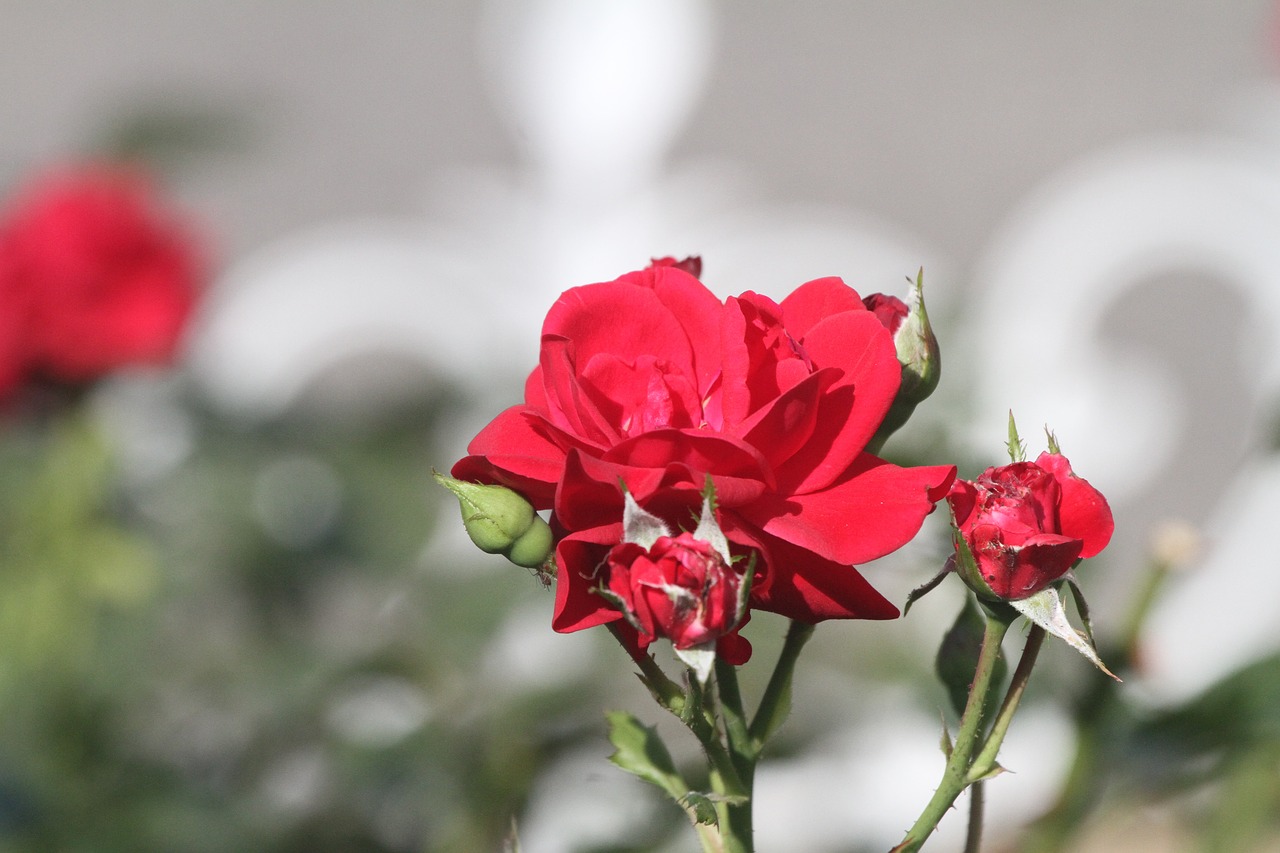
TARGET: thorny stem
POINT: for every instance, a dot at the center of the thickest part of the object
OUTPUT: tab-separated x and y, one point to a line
776	701
973	838
955	778
986	760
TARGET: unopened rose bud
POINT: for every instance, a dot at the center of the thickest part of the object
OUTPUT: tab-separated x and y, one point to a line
917	350
1019	528
500	521
692	264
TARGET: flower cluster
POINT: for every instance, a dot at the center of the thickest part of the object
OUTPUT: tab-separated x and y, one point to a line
650	385
93	277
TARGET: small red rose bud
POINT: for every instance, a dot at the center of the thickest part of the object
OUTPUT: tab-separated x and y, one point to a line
1021	527
692	264
680	589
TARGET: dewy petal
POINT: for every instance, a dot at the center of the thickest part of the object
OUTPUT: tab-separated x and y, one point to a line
816	300
1083	512
579	557
853	408
810	588
873	510
511	452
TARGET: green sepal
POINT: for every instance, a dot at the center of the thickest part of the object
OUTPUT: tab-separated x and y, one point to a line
1016	447
1045	609
928	586
700	660
640	526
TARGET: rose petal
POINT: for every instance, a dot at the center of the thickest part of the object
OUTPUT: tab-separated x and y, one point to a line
696	308
783	426
1083	512
853	408
874	509
816	300
569	406
810	589
1020	571
578	558
510	451
619	318
719	455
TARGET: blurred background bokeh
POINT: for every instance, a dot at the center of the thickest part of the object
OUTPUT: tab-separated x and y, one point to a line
237	614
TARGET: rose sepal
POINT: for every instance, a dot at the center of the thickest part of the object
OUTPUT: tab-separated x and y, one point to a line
1046	610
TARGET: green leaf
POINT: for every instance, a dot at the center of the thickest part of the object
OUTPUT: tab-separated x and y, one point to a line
639	751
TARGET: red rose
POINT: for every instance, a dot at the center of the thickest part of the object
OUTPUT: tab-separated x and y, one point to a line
101	278
652	381
680	588
1027	523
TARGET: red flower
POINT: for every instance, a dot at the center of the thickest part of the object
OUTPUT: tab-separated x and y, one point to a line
98	275
1027	523
680	588
652	381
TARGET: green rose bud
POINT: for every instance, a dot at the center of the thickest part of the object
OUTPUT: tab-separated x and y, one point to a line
917	351
501	521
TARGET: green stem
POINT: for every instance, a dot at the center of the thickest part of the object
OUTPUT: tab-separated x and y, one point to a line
986	760
736	818
776	702
973	838
955	776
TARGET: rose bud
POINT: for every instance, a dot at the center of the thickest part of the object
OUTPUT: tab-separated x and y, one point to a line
500	521
692	264
917	350
1021	527
681	588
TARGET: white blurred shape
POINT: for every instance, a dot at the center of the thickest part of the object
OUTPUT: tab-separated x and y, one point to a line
597	91
378	711
867	785
527	655
1220	614
1154	207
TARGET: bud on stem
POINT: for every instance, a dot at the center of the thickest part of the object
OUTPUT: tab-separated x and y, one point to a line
500	521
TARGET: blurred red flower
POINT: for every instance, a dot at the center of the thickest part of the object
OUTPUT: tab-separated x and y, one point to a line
94	275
